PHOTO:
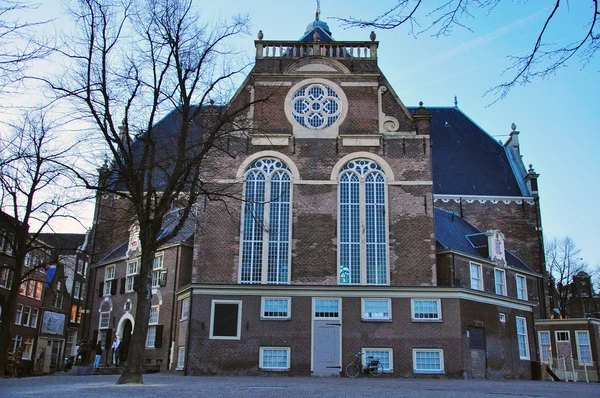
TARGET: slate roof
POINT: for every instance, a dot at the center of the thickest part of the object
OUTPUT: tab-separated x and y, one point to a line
454	233
466	160
64	244
169	222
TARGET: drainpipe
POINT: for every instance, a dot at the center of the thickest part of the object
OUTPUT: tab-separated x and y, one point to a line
189	328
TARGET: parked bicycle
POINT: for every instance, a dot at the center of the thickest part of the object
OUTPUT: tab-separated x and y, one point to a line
374	366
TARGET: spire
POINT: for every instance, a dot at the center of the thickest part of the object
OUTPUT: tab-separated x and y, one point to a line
318	26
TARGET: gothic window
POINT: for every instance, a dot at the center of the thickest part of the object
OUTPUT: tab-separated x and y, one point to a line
316	106
362	224
265	248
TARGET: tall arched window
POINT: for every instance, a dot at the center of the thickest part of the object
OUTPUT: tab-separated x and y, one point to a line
265	251
362	224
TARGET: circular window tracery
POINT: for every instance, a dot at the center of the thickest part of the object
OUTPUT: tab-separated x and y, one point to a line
316	106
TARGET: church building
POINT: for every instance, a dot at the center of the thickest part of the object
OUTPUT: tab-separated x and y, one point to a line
401	231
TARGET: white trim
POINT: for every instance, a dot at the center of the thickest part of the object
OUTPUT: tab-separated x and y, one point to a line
271	140
289	308
359	84
375	319
212	319
267	154
387	170
589	344
272	83
568	332
412	310
479	275
361	140
126	317
438	350
312	328
547	332
107	313
527	355
569	321
502	317
180	363
261	361
525	294
503	272
363	291
391	352
181	317
483	199
305	132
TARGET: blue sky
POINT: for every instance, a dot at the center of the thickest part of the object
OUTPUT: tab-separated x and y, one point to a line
558	118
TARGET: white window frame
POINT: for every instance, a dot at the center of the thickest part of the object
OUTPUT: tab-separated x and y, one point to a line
239	320
374	316
155	309
502	317
524	335
325	317
568	334
31	288
521	293
390	351
413	312
35	313
271	368
19	314
589	347
5	278
16	341
151	336
180	358
26	315
428	371
360	176
157	266
502	283
132	270
263	306
27	348
260	209
185	309
109	276
479	278
542	346
106	315
76	289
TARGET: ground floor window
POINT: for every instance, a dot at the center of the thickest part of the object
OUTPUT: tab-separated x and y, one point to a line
428	360
225	320
275	358
376	309
180	358
276	308
545	351
426	310
27	347
584	352
16	342
385	356
522	339
151	337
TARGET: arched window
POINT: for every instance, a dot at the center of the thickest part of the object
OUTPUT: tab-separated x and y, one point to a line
265	251
362	224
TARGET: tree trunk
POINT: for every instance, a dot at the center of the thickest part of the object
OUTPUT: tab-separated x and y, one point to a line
134	366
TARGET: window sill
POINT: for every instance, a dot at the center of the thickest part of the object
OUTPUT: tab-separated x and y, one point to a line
179	368
429	372
275	319
428	320
183	319
275	369
376	320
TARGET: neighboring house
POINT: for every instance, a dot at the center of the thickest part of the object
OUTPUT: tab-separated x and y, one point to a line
406	233
65	298
112	312
28	313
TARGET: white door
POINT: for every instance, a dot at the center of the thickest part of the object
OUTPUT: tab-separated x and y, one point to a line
326	337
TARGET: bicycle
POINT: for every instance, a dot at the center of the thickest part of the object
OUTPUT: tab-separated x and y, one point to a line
374	367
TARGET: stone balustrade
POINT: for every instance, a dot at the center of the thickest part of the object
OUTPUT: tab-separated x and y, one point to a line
299	49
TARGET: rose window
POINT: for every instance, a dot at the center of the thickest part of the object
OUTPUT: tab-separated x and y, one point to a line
316	106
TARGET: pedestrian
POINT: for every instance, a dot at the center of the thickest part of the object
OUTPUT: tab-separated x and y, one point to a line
98	355
115	347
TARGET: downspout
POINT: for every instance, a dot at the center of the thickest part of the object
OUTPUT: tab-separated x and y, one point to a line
174	309
453	270
189	328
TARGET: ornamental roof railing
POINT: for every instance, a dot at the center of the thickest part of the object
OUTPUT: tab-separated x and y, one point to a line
298	49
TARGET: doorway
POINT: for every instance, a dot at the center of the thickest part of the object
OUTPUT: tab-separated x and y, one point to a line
327	337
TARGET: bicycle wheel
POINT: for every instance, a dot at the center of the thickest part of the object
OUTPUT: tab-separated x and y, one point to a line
376	369
352	370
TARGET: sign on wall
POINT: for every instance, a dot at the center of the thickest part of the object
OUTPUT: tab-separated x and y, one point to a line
53	323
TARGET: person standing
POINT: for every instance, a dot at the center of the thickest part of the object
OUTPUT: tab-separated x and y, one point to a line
98	355
115	349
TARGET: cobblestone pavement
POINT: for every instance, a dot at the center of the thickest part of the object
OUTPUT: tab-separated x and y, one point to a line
169	385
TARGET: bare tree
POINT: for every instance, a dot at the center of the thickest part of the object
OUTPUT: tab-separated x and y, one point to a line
544	58
563	262
141	60
18	47
34	193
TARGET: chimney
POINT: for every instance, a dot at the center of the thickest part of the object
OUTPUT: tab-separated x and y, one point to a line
531	181
422	118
